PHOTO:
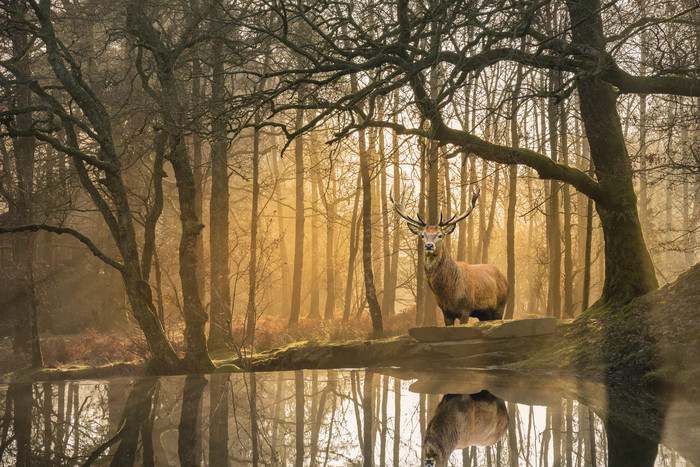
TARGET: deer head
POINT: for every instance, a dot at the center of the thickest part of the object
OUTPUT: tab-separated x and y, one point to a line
433	235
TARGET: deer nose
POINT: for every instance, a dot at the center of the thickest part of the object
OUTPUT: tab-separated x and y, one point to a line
429	246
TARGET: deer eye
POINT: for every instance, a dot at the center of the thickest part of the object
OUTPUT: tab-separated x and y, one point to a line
422	235
439	235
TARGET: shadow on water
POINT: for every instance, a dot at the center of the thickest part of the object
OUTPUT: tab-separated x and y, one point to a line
339	417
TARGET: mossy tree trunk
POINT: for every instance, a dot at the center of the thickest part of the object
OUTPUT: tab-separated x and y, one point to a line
629	271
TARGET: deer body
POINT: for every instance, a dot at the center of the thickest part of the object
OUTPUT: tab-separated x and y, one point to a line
461	290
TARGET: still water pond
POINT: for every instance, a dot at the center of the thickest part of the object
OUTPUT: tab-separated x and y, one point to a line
345	417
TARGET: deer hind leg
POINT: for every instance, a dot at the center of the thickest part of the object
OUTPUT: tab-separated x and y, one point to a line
497	313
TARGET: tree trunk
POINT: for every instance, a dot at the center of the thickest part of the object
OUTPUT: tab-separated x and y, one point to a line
488	233
471	251
629	271
510	239
393	278
26	335
433	170
421	285
448	199
568	234
354	228
463	182
315	290
554	229
282	240
173	113
197	167
251	316
370	292
329	310
220	334
299	224
388	295
587	256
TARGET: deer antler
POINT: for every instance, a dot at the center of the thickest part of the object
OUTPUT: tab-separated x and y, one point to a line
401	210
456	218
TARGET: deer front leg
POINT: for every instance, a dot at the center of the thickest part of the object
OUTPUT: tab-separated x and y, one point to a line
449	318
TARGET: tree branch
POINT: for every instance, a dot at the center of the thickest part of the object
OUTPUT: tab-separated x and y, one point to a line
65	230
627	83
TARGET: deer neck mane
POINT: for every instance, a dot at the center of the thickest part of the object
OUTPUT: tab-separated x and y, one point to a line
435	262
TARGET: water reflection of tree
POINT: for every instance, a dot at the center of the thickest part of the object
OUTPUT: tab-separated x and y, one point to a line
315	418
218	420
138	411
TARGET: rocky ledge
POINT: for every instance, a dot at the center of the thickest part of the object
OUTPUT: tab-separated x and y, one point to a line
479	345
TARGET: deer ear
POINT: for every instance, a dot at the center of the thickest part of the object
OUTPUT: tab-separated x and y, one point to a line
448	229
414	228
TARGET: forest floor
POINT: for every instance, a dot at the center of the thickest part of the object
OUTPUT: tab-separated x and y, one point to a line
654	340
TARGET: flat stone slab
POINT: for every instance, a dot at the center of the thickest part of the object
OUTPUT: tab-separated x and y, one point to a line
522	328
449	333
488	330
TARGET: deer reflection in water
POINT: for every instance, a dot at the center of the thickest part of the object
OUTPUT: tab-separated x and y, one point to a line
462	420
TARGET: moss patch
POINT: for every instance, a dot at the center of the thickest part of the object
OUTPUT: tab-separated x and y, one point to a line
652	340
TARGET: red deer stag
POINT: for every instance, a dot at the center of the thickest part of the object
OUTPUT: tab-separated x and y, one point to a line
461	290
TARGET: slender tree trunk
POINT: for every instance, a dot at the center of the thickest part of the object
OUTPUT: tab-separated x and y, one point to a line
285	305
568	234
433	170
463	182
390	285
471	251
587	253
315	290
220	333
388	296
488	233
26	335
510	240
329	311
299	224
370	292
512	200
554	238
251	315
420	266
198	169
448	199
353	252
